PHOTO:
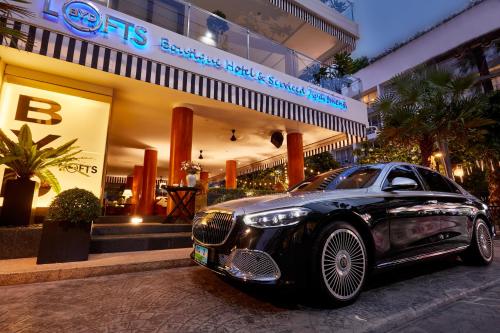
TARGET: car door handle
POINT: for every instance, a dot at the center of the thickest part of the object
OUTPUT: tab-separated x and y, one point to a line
431	202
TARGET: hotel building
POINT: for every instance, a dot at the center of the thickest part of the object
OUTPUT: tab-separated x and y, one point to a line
146	85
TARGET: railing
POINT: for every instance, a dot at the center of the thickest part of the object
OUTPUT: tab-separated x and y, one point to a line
344	7
201	25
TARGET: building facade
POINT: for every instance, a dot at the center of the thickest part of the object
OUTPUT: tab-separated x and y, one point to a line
146	85
466	42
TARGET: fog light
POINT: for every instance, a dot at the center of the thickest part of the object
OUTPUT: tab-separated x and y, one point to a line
136	220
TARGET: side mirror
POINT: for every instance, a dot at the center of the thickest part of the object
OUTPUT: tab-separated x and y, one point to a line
402	183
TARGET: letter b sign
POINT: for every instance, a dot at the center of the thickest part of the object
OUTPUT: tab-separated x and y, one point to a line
25	105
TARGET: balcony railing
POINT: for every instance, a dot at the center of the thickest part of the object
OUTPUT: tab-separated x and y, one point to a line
344	7
201	25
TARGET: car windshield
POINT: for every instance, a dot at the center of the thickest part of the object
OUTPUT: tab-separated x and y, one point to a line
341	179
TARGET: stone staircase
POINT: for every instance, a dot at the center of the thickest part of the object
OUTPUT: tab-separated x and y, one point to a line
116	234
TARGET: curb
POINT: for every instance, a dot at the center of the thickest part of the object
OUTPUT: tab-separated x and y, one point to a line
394	321
9	279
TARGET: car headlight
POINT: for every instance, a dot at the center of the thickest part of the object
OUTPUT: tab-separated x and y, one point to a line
276	218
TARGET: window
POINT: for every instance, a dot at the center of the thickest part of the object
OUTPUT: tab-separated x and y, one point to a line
355	177
453	187
434	181
402	171
344	178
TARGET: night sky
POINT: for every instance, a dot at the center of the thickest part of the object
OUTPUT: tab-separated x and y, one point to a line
382	23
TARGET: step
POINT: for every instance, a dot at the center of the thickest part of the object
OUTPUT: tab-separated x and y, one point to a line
126	219
142	228
140	242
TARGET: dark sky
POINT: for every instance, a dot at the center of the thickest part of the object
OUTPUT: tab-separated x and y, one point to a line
382	23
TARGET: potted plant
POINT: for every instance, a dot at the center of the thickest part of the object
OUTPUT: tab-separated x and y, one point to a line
66	231
191	169
26	160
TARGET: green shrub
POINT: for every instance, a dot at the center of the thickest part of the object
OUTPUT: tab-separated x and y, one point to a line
74	205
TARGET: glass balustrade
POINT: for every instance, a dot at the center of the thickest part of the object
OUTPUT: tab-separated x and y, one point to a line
208	28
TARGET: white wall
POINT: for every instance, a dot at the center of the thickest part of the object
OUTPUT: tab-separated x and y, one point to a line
469	25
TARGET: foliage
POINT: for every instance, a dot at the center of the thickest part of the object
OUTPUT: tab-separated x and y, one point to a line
379	151
215	24
218	195
190	167
75	206
320	163
426	106
26	159
9	9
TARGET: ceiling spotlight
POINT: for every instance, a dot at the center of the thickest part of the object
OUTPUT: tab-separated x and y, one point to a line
201	156
233	137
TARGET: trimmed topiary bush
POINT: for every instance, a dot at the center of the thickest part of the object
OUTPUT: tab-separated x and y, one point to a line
75	206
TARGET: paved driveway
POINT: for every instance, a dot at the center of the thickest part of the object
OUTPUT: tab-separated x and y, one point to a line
195	300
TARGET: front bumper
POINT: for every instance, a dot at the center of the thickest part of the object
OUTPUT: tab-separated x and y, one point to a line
259	255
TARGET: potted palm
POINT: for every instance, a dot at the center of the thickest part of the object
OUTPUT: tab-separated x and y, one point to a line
66	231
25	161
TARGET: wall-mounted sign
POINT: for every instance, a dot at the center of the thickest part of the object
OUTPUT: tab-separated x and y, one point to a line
55	118
83	17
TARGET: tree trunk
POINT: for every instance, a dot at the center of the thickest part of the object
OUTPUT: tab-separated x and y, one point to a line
426	146
443	147
494	196
482	67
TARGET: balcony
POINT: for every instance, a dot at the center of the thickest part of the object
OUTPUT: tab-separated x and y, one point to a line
208	28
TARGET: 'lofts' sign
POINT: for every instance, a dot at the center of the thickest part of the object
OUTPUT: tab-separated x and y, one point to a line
83	18
56	117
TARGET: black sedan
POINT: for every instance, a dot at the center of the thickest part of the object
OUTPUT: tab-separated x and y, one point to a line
331	230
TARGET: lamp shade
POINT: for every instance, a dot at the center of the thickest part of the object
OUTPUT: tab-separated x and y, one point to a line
127	193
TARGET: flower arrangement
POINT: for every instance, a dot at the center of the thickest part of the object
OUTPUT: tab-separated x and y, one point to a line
191	167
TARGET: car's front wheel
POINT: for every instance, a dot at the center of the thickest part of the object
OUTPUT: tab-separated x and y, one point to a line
481	249
341	263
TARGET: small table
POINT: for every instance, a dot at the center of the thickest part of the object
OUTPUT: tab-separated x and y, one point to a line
183	199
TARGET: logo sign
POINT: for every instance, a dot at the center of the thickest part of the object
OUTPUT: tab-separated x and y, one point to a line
54	119
85	17
82	16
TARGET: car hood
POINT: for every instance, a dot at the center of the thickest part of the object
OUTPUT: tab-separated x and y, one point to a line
282	200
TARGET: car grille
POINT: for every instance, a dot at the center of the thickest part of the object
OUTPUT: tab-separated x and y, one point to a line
212	227
252	265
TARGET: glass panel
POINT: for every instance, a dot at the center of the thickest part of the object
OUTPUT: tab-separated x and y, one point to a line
167	14
269	54
215	31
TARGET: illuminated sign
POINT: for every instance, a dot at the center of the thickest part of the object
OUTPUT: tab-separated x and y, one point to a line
253	74
55	118
85	17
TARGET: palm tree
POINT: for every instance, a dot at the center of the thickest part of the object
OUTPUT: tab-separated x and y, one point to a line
9	9
430	107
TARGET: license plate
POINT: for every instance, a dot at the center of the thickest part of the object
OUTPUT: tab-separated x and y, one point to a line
200	254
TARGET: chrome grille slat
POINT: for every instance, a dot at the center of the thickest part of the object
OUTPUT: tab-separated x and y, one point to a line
212	227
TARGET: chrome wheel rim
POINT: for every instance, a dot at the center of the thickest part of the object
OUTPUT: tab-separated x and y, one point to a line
343	264
484	242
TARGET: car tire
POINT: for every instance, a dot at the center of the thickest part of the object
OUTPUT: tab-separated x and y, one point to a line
481	249
340	264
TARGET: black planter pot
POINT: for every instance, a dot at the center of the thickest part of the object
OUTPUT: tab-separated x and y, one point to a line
18	204
63	241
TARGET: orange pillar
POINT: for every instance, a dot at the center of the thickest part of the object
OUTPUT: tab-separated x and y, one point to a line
204	182
136	186
230	174
147	197
295	158
181	140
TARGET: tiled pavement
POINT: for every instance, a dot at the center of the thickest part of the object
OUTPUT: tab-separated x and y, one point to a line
193	299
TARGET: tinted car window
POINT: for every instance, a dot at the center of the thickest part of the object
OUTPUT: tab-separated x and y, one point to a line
402	171
453	187
434	181
345	178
